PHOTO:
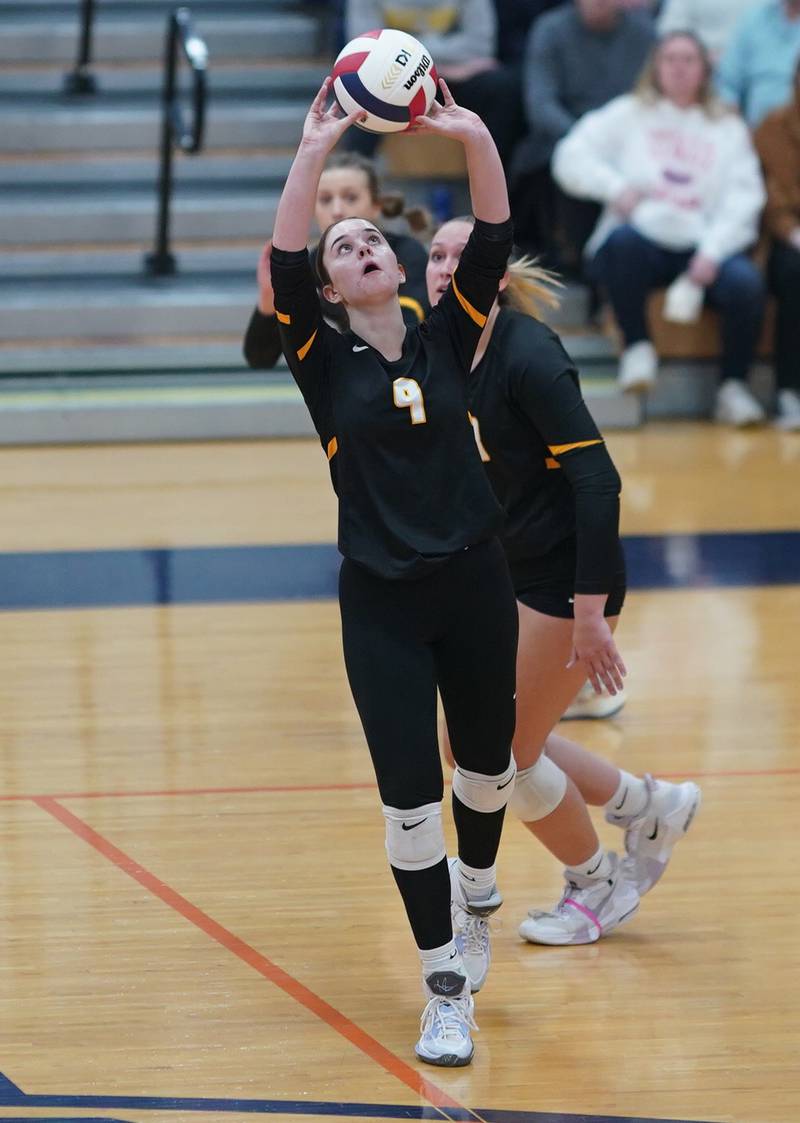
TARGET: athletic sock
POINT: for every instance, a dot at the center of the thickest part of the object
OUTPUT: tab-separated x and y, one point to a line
478	884
630	798
598	867
443	958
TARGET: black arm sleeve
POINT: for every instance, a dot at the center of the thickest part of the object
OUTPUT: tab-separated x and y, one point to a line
596	486
262	341
302	329
547	388
463	309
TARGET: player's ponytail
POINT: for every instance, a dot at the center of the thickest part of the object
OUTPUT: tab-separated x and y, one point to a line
393	205
530	288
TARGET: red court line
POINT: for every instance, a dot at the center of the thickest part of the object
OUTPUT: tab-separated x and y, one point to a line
265	967
266	789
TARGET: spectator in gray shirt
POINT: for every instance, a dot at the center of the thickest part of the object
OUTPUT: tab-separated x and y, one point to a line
577	58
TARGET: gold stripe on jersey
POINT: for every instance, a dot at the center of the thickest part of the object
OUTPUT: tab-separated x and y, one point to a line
473	313
559	450
301	354
282	317
550	463
333	448
414	305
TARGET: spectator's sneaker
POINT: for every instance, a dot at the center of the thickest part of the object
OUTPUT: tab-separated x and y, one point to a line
736	405
446	1021
651	835
788	415
588	909
587	705
471	928
638	367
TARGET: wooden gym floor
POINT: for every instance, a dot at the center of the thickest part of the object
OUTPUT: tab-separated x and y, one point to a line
196	917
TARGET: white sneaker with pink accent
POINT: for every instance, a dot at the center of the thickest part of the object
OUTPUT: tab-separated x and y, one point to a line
588	909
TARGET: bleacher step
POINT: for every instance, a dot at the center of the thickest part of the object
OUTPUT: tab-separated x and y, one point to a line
122	356
131	217
210	406
105	308
131	170
36	128
82	264
44	84
139	35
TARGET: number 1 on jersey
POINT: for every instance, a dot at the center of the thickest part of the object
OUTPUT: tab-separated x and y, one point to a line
476	429
408	395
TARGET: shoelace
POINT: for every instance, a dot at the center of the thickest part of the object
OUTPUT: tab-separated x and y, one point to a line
447	1018
571	890
475	931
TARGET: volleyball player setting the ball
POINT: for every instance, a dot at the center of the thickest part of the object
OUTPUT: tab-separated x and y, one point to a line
550	468
425	595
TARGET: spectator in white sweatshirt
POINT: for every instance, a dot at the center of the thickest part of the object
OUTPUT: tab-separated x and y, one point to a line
682	194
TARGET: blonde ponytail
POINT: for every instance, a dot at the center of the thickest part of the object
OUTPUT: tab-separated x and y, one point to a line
530	288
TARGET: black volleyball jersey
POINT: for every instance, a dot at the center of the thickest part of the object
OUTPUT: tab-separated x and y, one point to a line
262	344
403	459
547	462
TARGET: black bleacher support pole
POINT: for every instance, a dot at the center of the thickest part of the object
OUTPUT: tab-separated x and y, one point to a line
162	263
81	80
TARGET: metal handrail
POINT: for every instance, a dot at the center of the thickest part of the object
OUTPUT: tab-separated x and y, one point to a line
174	131
81	80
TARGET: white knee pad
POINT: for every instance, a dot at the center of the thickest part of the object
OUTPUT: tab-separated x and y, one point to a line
538	790
484	793
414	839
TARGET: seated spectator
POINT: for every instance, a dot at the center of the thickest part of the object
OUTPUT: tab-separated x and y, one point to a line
778	144
514	21
712	21
577	58
755	71
682	191
348	187
461	35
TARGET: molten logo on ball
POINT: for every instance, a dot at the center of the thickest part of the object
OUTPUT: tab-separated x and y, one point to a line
388	75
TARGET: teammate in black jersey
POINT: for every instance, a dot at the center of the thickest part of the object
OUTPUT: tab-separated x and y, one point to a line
550	468
349	186
425	595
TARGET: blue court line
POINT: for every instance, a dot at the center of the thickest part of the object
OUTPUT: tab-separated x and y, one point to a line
293	1107
8	1090
236	574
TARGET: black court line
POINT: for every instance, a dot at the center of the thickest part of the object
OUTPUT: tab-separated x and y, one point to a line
12	1096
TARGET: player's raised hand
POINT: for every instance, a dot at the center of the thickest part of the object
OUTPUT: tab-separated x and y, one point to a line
324	126
449	119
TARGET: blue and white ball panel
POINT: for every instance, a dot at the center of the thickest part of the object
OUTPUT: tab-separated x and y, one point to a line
389	75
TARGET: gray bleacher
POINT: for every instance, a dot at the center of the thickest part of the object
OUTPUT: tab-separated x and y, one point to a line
90	347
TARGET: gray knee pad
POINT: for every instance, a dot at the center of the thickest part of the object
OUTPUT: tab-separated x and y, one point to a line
414	839
538	790
484	793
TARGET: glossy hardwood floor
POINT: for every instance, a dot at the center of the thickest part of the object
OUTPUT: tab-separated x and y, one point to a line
196	917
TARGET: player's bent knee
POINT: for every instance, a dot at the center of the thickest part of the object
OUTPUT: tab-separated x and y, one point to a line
484	793
539	790
415	838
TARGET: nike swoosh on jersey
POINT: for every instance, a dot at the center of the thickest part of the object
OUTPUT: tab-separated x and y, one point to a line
365	347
